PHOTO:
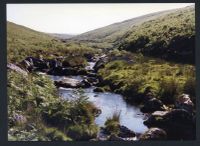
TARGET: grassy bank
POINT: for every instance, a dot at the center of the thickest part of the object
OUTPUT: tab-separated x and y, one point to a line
36	112
23	42
166	80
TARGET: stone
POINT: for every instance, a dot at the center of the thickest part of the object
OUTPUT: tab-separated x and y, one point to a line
152	105
178	123
17	69
184	102
154	134
125	132
68	83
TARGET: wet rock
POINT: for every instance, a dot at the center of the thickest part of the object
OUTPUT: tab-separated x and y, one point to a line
68	83
115	138
82	72
56	71
26	65
148	94
178	123
98	89
154	134
152	105
184	102
100	63
38	63
90	74
125	132
88	56
52	63
86	83
92	80
17	69
69	71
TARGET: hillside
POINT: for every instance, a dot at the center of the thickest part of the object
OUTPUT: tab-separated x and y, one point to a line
138	34
23	42
57	88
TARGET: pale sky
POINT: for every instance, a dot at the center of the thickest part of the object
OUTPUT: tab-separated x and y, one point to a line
79	18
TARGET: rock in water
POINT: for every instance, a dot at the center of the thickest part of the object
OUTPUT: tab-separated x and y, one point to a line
184	102
125	132
154	134
68	83
152	105
178	123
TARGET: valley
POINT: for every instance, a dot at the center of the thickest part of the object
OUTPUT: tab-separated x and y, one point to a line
129	81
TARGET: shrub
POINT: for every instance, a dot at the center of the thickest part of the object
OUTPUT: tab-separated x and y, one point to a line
112	125
54	134
168	90
82	132
190	87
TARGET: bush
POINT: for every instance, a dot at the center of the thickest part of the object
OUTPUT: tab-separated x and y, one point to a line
82	132
168	91
190	87
112	125
54	134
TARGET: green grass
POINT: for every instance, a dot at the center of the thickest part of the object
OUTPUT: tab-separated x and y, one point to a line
166	79
112	124
35	98
23	42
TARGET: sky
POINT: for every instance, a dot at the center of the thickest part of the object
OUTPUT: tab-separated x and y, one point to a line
79	18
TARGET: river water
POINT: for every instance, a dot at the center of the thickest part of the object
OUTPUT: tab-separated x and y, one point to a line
109	103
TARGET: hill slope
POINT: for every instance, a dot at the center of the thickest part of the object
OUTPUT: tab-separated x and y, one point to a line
113	35
23	42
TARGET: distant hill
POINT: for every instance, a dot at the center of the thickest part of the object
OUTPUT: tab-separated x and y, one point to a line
108	36
61	36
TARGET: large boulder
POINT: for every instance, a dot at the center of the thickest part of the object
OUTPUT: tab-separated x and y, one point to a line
115	138
178	123
98	89
17	69
125	132
154	134
184	102
68	83
153	105
37	63
56	71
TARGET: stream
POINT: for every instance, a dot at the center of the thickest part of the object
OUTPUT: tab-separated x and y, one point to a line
109	103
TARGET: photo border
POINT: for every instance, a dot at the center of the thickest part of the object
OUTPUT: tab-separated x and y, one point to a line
3	80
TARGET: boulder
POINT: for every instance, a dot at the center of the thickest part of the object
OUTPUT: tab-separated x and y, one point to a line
69	71
184	102
17	69
86	83
154	134
100	63
52	63
115	138
152	105
88	56
68	83
37	63
56	71
26	65
91	80
178	123
82	71
125	132
98	89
